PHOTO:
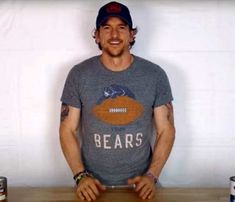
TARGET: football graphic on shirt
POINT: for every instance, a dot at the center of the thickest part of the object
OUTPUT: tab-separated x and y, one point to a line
118	106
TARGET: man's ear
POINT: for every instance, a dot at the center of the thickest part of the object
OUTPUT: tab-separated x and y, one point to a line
132	35
97	38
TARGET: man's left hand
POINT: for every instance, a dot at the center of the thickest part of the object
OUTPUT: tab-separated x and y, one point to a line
145	186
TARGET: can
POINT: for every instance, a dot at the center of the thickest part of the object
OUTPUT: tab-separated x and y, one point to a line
232	189
3	189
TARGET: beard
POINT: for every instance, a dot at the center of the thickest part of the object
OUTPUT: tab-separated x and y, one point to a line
114	51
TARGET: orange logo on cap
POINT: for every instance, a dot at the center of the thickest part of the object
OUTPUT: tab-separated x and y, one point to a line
114	8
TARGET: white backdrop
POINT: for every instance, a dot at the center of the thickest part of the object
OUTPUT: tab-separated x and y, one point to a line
192	40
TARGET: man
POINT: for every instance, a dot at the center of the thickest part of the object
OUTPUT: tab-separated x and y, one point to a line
113	100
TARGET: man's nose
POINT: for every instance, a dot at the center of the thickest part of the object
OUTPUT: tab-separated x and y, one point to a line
114	32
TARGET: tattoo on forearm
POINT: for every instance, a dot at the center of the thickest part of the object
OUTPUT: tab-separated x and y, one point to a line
64	112
170	115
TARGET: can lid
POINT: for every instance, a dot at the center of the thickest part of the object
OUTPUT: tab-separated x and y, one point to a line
232	178
3	179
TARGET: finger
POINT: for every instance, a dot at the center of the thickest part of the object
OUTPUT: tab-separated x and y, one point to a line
145	189
139	186
130	182
86	195
151	195
94	189
80	195
91	193
102	187
146	193
133	180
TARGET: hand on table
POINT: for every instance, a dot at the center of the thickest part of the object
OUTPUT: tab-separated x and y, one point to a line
145	186
89	188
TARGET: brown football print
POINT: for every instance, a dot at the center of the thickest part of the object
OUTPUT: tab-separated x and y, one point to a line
118	111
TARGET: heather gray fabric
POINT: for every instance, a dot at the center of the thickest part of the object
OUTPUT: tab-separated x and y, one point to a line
116	115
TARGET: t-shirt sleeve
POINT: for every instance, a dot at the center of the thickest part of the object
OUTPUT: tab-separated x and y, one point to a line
70	95
163	90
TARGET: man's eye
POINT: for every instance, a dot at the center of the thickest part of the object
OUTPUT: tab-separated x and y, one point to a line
106	27
122	27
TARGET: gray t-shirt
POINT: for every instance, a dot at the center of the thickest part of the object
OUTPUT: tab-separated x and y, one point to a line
116	115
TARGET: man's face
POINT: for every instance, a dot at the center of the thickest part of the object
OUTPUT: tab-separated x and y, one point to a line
114	37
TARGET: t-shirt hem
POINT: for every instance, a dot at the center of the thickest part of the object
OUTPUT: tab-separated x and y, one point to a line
71	103
163	102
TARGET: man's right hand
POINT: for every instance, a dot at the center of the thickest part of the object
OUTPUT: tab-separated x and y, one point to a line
89	188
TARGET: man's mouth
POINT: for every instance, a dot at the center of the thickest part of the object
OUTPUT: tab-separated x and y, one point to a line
115	42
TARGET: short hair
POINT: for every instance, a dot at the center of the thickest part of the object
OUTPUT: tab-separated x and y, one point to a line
135	30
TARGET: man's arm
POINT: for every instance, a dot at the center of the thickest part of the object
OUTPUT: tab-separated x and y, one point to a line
165	129
88	187
69	124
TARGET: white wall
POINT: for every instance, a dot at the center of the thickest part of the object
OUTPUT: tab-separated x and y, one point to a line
192	40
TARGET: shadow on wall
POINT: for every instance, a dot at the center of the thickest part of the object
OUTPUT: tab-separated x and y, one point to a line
176	167
62	173
86	28
174	171
141	22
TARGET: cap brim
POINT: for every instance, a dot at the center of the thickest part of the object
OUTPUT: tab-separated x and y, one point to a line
113	15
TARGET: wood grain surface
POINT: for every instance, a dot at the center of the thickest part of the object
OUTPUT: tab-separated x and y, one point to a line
66	194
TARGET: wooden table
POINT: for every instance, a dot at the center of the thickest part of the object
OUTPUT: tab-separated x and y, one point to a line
120	195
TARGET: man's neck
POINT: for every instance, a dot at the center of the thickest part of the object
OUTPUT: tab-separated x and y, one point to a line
117	63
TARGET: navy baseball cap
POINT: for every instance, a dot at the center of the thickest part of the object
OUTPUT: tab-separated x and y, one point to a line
113	9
